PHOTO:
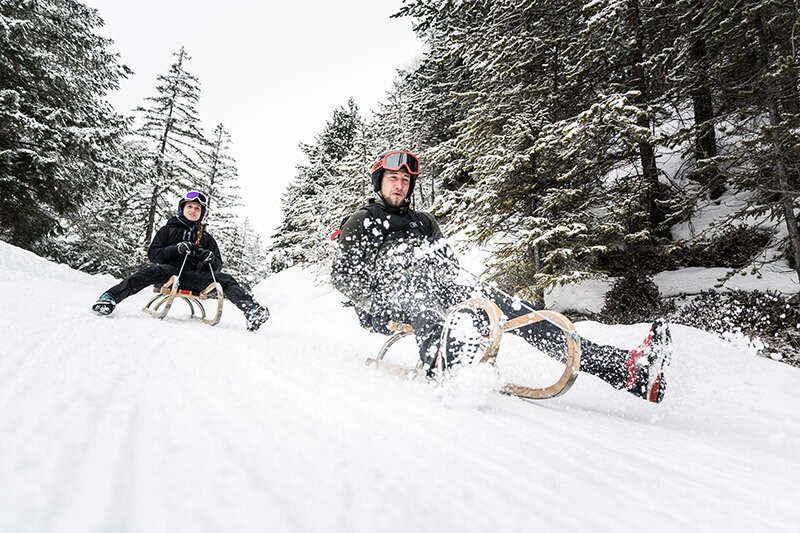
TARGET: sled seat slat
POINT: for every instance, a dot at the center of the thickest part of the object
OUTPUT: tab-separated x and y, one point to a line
163	289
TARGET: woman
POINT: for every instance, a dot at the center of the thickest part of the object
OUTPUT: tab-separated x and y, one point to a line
184	237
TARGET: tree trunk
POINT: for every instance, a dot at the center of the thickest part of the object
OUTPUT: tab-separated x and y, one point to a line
705	137
647	155
212	179
789	100
790	97
782	179
151	216
779	150
433	190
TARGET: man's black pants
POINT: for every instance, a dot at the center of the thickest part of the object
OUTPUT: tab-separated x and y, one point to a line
606	362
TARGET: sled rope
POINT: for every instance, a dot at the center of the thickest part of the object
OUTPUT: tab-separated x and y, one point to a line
180	272
212	273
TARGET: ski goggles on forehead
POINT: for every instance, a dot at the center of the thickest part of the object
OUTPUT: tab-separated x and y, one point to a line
196	196
396	161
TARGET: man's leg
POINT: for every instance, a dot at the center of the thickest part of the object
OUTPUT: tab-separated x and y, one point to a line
427	319
428	326
605	362
622	369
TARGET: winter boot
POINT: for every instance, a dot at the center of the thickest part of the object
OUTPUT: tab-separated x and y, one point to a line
467	330
462	345
256	316
645	364
105	304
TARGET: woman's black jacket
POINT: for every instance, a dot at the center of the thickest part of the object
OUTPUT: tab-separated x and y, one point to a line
164	248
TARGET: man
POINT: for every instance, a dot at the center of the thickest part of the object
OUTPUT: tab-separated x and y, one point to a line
393	264
184	237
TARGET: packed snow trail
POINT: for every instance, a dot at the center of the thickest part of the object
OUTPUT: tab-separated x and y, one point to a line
128	423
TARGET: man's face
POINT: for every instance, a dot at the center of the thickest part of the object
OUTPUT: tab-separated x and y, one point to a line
192	211
394	186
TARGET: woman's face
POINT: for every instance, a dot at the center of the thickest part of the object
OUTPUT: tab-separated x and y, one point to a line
192	211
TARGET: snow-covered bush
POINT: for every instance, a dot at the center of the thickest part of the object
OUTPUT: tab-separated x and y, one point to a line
634	298
767	316
736	247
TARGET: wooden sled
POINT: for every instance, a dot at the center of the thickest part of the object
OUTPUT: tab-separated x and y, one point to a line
160	304
490	346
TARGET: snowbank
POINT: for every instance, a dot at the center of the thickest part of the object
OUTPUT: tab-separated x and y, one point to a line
130	423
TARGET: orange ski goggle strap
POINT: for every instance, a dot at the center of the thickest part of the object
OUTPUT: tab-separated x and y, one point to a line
396	161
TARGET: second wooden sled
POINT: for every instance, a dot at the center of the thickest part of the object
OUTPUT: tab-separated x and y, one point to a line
490	346
160	304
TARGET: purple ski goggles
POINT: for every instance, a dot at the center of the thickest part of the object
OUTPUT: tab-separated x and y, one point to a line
196	196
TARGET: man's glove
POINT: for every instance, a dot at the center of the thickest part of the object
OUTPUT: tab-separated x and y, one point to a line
204	256
185	248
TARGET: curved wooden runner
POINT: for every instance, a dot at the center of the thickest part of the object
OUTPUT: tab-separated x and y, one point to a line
160	304
400	331
572	365
490	346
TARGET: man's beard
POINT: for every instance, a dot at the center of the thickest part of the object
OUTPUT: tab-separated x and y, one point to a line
393	201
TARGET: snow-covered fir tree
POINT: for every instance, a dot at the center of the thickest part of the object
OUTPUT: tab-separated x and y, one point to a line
170	122
220	181
355	185
431	89
752	49
313	199
58	134
394	125
247	256
104	236
558	114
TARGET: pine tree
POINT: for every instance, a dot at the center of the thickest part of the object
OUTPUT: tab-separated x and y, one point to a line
171	124
220	183
752	45
434	90
104	236
287	241
553	145
247	259
355	185
57	132
395	126
691	76
311	202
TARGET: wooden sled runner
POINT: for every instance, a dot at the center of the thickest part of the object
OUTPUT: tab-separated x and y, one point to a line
160	304
490	346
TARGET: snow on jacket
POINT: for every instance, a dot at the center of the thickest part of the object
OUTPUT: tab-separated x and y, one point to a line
387	255
164	248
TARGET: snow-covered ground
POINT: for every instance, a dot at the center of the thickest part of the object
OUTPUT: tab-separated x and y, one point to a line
128	423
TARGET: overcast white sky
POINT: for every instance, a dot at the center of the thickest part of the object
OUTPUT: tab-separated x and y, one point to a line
270	72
